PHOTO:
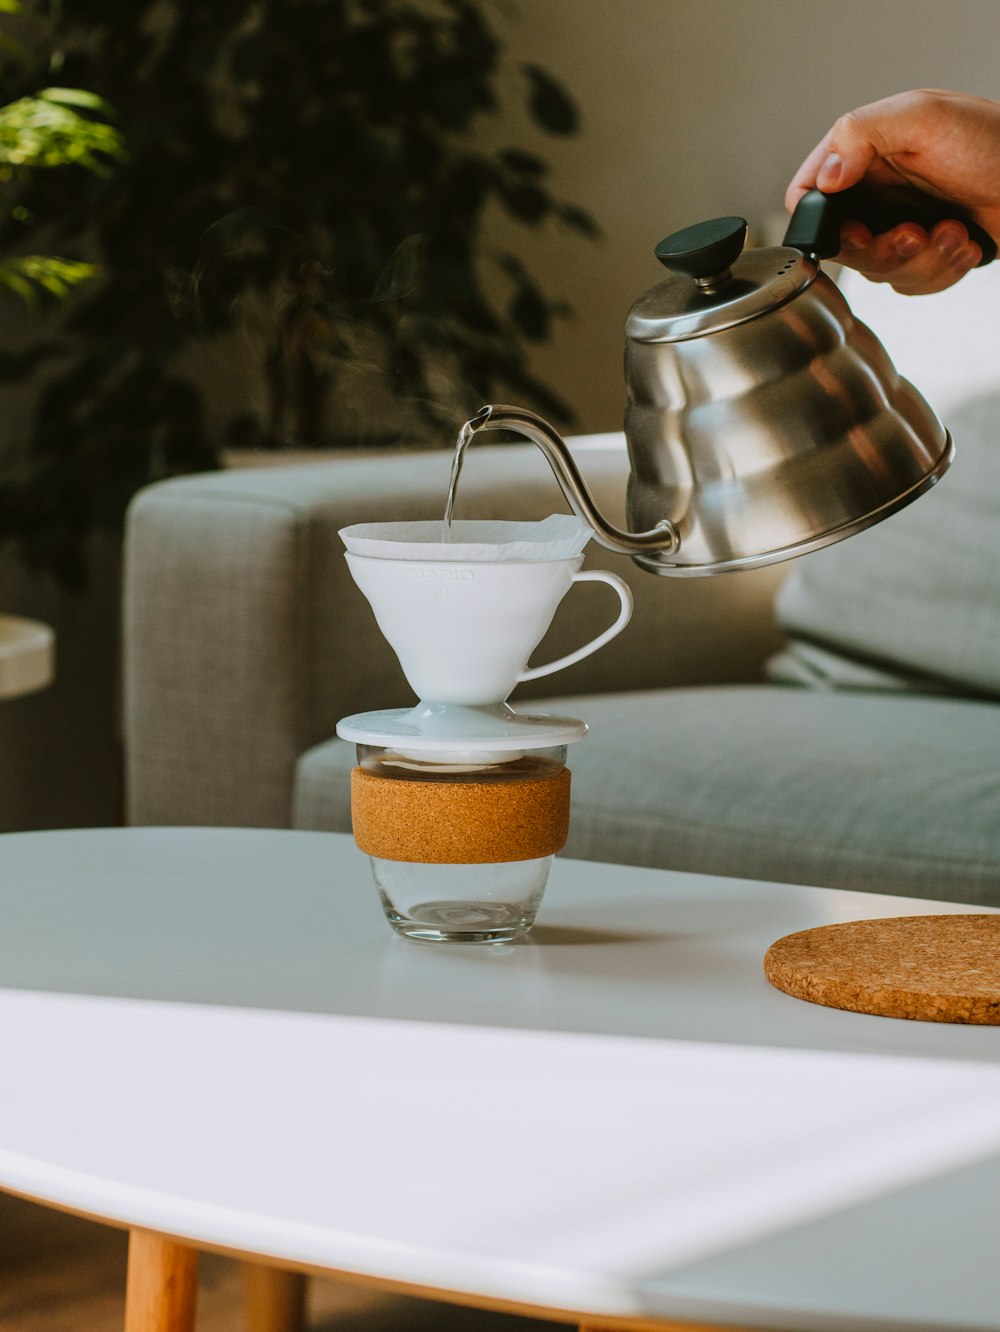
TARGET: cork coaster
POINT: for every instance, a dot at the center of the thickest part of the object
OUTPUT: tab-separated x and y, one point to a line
460	823
928	968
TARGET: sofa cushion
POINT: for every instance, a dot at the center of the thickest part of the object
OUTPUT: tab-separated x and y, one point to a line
913	602
876	792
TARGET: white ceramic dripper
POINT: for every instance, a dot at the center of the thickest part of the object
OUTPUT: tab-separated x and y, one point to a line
464	628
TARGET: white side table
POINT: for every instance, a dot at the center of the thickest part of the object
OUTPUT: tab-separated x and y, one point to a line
211	1036
27	656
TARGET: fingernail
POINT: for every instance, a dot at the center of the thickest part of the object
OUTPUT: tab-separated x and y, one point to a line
950	242
853	239
967	257
907	246
829	172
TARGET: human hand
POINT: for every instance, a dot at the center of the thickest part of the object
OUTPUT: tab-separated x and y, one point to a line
943	143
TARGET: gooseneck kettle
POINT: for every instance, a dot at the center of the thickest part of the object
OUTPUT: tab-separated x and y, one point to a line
763	419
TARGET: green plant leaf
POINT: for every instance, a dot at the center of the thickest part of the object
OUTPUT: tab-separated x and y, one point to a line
29	274
13	281
524	164
527	202
578	219
549	102
531	313
76	97
40	132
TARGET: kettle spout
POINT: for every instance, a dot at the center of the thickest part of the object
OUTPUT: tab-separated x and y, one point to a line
664	538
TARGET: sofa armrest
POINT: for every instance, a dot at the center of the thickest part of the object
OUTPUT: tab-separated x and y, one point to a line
245	639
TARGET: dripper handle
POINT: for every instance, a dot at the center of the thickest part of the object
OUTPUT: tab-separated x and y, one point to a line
815	225
624	615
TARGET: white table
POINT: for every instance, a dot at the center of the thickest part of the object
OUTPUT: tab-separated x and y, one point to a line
213	1038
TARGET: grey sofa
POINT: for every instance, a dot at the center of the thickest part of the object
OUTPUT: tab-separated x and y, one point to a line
834	721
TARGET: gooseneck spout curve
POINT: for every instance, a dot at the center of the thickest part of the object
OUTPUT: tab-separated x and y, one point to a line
663	538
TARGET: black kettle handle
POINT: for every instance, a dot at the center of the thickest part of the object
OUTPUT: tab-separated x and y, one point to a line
815	225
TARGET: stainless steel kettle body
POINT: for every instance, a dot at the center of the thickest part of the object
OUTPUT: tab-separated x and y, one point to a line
773	435
763	420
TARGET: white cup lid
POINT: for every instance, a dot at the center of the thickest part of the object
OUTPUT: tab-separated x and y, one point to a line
438	727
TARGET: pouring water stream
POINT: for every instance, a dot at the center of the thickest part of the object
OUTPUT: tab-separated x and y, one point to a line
461	444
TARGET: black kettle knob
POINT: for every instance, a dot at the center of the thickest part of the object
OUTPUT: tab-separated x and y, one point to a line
705	250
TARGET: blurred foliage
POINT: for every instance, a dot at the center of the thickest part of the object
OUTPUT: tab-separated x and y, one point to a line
44	131
48	131
28	274
305	181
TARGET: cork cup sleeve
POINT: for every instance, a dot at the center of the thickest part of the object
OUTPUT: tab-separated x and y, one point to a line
460	823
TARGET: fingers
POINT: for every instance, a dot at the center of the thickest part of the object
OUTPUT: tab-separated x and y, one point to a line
865	141
911	261
943	143
841	158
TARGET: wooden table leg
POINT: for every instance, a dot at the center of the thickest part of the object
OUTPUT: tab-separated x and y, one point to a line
162	1284
591	1326
275	1299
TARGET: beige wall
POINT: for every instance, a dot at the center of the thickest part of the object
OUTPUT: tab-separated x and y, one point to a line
698	108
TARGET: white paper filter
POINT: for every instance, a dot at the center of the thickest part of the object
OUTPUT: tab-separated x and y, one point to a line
561	536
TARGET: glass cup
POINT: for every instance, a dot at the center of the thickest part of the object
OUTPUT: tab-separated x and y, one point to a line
461	844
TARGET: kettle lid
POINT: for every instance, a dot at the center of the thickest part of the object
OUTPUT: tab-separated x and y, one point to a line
715	283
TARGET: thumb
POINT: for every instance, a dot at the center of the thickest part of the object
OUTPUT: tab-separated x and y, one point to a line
851	147
857	140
